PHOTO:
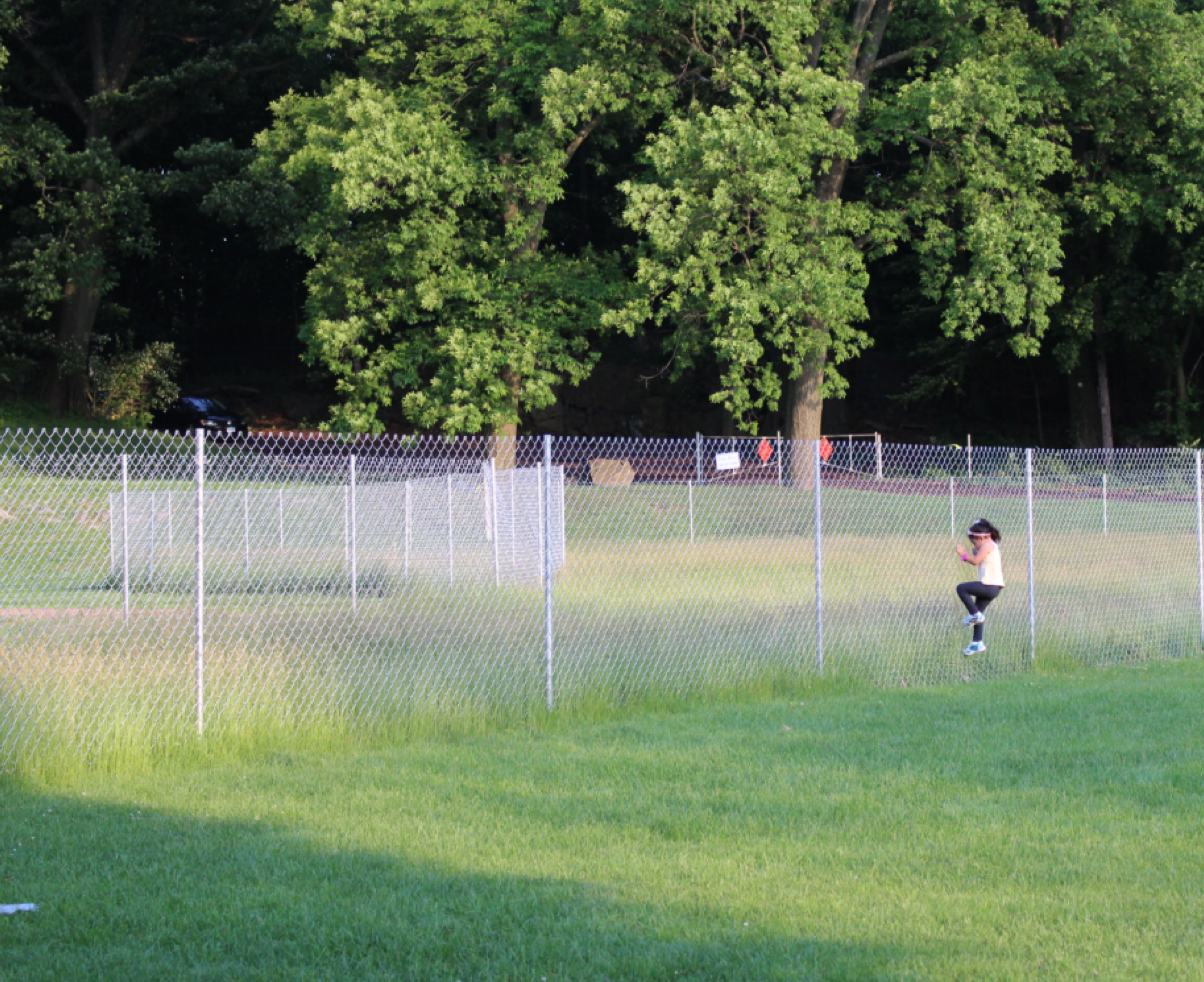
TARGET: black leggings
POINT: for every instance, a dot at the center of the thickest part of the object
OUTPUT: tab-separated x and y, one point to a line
983	593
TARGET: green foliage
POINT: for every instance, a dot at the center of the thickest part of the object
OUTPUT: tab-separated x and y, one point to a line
90	209
742	258
130	386
980	214
425	177
756	238
99	86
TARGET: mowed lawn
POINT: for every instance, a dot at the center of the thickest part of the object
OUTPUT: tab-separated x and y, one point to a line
1038	827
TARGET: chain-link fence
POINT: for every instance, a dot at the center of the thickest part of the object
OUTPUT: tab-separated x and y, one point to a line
153	587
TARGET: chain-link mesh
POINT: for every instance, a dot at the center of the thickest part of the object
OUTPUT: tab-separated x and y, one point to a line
162	585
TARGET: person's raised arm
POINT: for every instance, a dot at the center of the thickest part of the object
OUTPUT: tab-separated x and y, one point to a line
976	557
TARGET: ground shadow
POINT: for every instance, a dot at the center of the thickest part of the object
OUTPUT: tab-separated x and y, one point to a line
128	894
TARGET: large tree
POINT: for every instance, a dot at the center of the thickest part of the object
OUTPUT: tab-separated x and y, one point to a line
1120	88
1132	74
117	85
815	134
425	173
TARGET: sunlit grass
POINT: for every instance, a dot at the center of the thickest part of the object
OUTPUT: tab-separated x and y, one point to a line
1033	828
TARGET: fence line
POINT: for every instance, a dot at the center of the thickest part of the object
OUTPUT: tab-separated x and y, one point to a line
355	582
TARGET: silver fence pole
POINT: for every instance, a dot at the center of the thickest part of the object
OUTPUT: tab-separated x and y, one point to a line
698	458
548	567
690	499
779	458
351	524
969	458
878	454
819	557
125	538
1200	543
200	582
486	490
246	536
150	576
497	532
1105	503
513	550
406	532
1032	586
539	523
451	562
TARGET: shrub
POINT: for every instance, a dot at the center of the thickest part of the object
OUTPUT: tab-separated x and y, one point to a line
132	385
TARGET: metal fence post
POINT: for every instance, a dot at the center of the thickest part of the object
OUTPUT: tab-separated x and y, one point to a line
698	458
405	532
351	519
540	521
1200	543
246	536
819	559
125	538
878	454
1032	586
496	529
199	600
150	575
779	458
547	560
451	562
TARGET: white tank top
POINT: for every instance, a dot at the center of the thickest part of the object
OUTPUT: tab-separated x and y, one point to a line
990	570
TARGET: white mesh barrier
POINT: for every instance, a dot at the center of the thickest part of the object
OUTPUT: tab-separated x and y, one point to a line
477	527
154	584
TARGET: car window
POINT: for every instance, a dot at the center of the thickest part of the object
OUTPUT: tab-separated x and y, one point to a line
201	405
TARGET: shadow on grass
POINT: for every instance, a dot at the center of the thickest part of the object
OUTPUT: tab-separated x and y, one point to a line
135	894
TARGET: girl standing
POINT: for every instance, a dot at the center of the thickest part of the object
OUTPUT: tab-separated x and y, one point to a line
977	595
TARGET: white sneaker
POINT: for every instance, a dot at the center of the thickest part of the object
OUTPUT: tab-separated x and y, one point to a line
974	648
971	619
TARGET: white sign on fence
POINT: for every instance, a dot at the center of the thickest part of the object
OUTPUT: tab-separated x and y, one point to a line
727	461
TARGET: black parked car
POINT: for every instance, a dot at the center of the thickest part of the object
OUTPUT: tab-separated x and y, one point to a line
191	413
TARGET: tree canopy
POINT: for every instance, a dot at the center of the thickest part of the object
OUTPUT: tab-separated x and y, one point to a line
786	201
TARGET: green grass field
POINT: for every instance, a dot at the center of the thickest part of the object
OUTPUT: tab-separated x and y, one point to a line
1040	827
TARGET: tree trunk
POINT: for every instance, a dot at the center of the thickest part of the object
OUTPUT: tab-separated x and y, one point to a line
1181	380
1084	407
505	436
1105	398
77	316
805	417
